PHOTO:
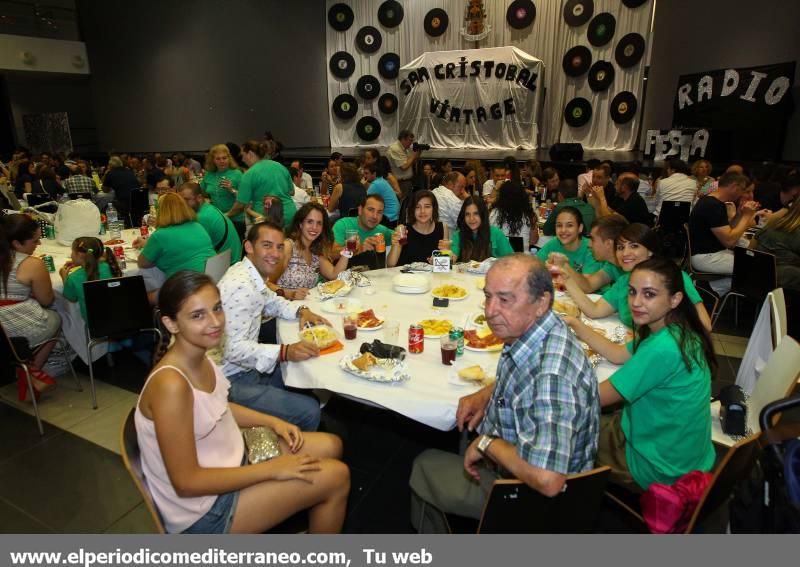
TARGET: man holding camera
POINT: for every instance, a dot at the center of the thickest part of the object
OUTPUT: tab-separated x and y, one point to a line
402	157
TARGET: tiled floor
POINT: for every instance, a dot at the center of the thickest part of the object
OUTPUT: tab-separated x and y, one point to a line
73	480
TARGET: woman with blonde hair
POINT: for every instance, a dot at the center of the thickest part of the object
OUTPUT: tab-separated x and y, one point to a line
221	182
180	243
701	174
781	237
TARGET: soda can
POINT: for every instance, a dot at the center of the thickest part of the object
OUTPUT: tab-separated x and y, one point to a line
457	335
144	230
119	251
49	231
416	339
48	261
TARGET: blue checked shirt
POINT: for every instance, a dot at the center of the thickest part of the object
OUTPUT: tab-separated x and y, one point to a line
545	402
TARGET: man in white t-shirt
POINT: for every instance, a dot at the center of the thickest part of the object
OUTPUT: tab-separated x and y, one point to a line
676	185
498	176
449	196
305	179
299	196
402	159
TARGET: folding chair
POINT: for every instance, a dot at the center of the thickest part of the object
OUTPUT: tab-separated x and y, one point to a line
517	244
115	308
18	353
83	195
217	265
132	457
513	507
754	276
673	215
696	275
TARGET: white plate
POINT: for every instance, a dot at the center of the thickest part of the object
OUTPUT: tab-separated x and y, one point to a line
498	348
452	376
342	306
412	281
411	290
463	297
389	372
368	329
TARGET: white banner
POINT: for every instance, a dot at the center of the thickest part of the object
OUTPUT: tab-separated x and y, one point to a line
475	98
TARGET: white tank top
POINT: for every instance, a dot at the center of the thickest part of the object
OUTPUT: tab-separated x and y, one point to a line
219	444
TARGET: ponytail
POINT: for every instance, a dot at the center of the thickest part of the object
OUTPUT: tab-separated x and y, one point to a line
111	260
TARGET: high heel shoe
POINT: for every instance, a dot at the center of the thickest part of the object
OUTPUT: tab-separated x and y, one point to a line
41	380
22	386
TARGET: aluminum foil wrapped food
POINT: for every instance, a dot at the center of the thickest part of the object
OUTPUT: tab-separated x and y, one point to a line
355	279
262	444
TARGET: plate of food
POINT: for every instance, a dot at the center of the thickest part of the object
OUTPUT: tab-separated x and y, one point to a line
469	375
340	306
565	306
334	288
479	319
435	328
482	340
480	283
369	367
449	291
368	321
474	267
321	335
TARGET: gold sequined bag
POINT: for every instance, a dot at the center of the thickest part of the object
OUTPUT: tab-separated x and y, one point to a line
262	444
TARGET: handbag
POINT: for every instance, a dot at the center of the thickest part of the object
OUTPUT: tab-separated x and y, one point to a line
262	444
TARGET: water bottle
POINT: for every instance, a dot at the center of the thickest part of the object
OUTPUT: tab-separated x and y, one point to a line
114	228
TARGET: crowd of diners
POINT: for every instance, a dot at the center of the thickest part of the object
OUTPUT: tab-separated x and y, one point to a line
544	418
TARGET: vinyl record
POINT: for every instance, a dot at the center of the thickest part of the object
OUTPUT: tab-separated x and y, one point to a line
368	128
342	64
601	29
601	75
623	107
368	39
520	14
577	61
345	106
340	17
390	14
387	104
578	112
633	3
436	22
630	50
389	65
578	12
368	87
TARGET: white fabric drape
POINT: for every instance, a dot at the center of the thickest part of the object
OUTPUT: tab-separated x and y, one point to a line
547	39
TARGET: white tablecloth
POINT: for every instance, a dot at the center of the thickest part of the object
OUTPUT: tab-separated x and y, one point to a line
428	397
72	324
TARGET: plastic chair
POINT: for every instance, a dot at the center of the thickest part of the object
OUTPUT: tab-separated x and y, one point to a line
115	308
697	274
754	276
517	243
514	507
84	195
132	457
217	265
18	353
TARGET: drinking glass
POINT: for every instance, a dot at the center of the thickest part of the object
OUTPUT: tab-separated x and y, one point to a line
391	332
350	326
448	348
351	240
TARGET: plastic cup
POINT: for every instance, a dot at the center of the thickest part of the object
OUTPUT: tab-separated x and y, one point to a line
350	327
448	347
391	332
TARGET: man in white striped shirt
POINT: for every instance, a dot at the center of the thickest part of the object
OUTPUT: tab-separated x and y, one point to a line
449	196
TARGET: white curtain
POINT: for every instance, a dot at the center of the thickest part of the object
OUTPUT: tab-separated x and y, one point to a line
547	39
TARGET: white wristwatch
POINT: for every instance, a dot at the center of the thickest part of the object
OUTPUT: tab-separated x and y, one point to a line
483	443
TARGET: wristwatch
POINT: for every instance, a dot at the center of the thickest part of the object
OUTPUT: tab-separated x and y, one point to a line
483	443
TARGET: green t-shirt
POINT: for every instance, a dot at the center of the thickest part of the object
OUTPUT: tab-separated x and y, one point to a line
268	177
580	260
585	209
341	227
214	222
73	286
613	271
179	247
499	243
220	197
617	296
665	419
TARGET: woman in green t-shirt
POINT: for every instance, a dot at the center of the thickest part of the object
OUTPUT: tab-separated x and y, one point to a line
476	239
664	428
635	244
221	181
570	242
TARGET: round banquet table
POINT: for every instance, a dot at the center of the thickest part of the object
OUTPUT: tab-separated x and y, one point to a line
429	396
72	324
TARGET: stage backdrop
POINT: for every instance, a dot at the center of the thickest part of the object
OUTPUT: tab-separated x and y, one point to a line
478	98
548	38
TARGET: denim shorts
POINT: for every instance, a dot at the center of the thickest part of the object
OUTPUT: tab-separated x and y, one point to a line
219	518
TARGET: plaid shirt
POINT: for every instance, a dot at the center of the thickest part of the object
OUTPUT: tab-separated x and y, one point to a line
80	184
545	402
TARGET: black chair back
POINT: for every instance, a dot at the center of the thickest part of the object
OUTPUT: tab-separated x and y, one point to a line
674	214
83	195
513	507
754	274
517	243
117	307
369	259
140	205
36	199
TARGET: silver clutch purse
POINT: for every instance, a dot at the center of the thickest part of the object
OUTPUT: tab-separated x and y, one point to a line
262	444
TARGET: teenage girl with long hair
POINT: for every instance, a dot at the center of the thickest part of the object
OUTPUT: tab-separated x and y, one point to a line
664	428
191	443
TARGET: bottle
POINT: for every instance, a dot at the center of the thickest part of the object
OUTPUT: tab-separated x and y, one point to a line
114	228
102	225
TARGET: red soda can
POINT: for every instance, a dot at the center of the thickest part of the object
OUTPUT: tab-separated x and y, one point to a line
144	230
416	339
119	251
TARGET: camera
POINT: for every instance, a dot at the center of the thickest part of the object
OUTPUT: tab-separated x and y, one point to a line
420	147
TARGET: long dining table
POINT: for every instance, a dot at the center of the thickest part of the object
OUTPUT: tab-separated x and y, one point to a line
432	393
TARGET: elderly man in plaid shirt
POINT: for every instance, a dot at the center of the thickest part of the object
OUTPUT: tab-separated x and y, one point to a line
538	423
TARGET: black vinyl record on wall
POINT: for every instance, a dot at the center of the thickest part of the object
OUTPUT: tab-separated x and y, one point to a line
342	64
345	106
601	29
520	14
368	128
578	12
629	50
389	65
368	87
369	39
577	61
340	17
436	22
390	14
601	75
387	104
578	112
623	107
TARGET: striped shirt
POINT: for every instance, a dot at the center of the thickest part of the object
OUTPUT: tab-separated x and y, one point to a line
545	402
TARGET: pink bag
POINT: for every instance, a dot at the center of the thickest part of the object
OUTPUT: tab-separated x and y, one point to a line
667	509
